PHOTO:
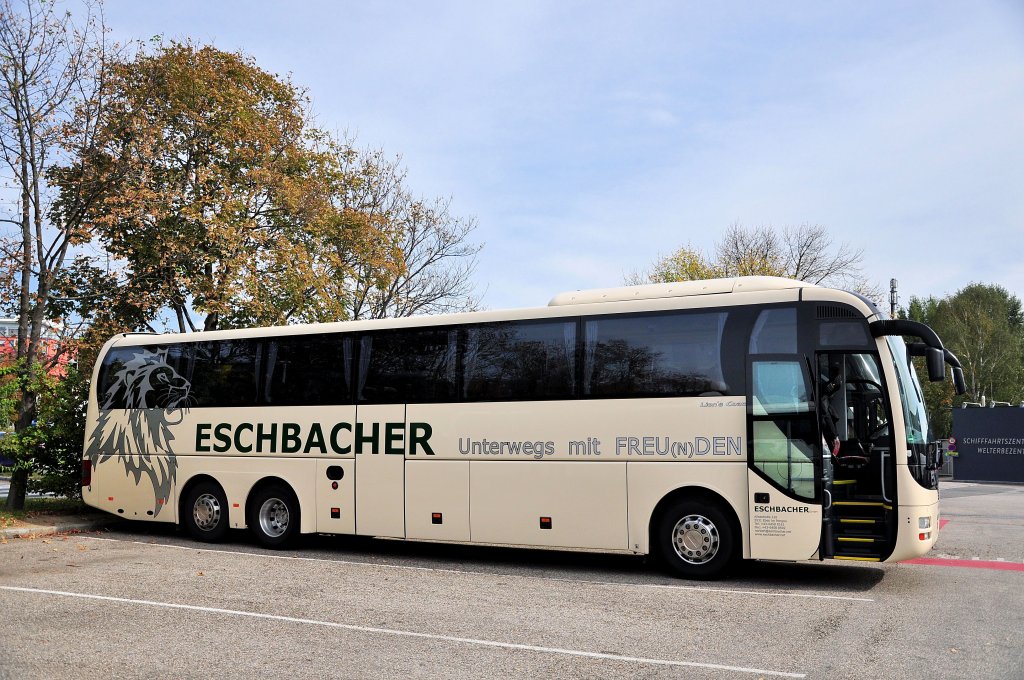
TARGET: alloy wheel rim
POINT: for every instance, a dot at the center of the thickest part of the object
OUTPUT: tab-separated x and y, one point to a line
206	511
695	539
273	517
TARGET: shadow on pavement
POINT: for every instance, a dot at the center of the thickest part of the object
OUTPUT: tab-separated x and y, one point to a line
835	578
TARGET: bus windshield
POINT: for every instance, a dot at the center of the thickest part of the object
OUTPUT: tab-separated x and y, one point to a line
911	396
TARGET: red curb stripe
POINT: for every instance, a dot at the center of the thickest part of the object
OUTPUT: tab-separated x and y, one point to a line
970	564
942	523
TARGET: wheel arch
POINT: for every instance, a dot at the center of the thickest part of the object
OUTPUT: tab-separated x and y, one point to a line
263	483
186	489
700	493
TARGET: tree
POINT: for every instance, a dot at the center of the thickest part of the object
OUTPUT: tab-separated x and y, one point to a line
805	252
983	325
223	206
49	67
685	264
438	259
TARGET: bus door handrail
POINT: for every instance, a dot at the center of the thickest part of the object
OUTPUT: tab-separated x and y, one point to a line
885	453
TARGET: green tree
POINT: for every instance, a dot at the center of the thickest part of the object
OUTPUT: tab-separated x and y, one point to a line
983	325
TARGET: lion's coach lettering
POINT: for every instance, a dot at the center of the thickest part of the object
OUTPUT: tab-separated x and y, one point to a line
264	438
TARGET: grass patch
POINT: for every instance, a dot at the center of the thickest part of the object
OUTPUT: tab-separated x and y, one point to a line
38	508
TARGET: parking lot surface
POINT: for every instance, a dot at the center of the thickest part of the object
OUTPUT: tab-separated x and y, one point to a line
142	601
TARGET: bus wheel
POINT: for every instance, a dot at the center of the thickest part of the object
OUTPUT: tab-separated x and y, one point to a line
274	516
205	513
696	539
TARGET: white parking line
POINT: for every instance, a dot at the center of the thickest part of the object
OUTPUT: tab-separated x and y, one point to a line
411	634
727	591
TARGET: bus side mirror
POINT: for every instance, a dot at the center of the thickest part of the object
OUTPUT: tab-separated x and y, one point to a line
936	364
958	380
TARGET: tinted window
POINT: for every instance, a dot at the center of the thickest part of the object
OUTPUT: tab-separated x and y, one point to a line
774	332
404	367
224	373
677	354
844	334
307	370
142	377
520	360
784	428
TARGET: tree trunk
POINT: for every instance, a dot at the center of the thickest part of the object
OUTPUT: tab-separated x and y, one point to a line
16	496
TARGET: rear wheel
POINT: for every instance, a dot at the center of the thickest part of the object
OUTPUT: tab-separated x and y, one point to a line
696	539
274	516
205	512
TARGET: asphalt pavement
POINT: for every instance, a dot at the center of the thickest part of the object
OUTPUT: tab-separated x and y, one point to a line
141	600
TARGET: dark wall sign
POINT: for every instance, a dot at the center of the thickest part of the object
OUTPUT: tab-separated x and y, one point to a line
990	444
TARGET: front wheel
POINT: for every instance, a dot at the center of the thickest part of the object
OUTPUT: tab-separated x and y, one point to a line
274	516
696	539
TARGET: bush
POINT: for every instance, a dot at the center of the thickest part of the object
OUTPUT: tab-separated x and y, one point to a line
58	437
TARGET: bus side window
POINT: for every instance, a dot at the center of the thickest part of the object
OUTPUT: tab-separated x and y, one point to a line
665	354
224	373
774	332
519	360
408	366
305	370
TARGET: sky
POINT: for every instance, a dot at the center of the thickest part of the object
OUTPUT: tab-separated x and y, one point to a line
589	138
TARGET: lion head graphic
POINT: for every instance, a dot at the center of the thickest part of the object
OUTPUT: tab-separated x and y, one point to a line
145	398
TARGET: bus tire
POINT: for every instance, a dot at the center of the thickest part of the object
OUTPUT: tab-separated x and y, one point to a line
205	512
696	539
274	516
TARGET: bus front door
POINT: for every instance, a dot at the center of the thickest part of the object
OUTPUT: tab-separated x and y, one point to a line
784	459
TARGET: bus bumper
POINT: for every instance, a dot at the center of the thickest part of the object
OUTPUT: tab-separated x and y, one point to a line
918	529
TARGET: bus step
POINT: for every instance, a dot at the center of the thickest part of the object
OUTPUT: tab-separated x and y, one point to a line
859	558
860	539
843	482
864	504
858	520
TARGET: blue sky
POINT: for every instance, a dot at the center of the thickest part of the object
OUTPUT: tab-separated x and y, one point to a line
589	138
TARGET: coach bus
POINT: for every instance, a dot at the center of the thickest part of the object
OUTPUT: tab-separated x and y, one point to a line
704	421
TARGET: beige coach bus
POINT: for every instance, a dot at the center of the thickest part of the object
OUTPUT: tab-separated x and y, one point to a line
705	421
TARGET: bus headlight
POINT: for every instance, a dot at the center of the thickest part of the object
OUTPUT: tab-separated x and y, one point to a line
924	522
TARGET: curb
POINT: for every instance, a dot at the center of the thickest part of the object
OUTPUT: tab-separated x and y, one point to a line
57	528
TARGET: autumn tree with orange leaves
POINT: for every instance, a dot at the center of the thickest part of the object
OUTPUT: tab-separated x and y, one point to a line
218	203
